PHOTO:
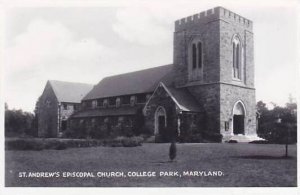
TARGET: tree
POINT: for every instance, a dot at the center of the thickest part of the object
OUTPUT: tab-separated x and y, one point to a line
18	123
276	124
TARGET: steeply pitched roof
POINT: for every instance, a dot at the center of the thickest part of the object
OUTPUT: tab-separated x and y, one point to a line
182	98
185	99
70	92
121	111
142	81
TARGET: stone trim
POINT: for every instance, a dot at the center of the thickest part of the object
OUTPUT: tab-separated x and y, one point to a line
214	83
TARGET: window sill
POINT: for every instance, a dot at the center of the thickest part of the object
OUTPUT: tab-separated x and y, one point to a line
236	79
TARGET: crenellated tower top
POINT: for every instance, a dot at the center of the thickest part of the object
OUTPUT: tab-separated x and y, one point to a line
217	13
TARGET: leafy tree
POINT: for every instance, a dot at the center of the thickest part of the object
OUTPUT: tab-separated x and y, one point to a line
18	123
279	124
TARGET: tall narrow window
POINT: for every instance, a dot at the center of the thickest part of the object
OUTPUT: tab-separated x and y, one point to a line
132	100
233	60
236	60
94	103
199	47
118	102
195	61
105	103
194	53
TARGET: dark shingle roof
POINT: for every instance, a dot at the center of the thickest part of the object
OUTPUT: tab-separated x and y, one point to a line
185	99
121	111
142	81
70	92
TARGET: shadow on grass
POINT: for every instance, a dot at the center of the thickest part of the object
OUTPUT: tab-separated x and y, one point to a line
264	157
163	162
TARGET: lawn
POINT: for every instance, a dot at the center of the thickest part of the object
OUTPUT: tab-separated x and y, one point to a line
240	165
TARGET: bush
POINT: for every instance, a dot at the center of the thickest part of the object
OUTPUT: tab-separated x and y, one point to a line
133	141
172	151
61	146
232	141
149	139
212	137
193	138
259	142
122	141
19	123
69	134
23	144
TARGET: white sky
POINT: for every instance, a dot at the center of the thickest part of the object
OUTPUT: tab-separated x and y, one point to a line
87	43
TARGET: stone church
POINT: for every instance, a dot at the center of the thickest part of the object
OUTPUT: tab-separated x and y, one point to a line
208	91
57	103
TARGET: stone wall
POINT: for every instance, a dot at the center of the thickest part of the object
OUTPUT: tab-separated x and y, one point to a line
208	97
48	113
227	31
218	91
215	28
161	98
229	96
208	33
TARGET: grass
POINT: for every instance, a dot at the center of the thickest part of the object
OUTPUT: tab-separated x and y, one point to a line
242	164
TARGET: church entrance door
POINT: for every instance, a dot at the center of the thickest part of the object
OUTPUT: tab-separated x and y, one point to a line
161	130
238	124
239	118
161	124
164	134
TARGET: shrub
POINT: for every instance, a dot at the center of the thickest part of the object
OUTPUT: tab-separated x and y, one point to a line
61	146
69	134
232	141
212	137
23	144
172	151
192	138
133	141
259	142
125	141
150	139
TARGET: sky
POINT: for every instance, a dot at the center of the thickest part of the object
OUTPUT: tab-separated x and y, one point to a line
88	42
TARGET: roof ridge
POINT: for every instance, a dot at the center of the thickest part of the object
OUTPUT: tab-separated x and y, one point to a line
69	91
115	75
141	81
51	80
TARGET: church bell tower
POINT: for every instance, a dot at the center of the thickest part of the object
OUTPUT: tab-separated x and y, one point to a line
214	59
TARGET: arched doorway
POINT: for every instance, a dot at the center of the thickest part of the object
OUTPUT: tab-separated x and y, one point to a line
160	121
238	117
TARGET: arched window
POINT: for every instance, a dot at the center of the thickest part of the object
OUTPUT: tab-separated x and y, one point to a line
195	60
132	100
197	55
199	48
236	57
94	103
105	103
118	102
194	54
